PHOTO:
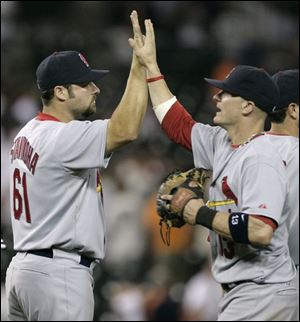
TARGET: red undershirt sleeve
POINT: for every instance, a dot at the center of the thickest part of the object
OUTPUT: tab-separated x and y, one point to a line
266	220
177	124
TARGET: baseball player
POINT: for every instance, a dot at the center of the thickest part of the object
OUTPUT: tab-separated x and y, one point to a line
57	210
284	135
249	236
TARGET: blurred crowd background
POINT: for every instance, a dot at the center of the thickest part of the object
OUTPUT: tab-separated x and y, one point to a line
141	279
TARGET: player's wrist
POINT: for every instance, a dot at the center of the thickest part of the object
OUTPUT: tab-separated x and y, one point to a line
205	216
190	210
154	79
152	70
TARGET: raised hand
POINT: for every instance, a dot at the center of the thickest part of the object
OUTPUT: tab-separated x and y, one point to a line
143	46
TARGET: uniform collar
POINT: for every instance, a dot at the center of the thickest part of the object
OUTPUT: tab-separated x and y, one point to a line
46	117
274	133
253	136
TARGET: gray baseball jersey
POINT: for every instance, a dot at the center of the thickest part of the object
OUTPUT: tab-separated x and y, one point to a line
56	197
253	175
288	148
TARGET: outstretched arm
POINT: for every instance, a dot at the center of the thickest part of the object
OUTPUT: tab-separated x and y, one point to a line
126	120
175	120
146	53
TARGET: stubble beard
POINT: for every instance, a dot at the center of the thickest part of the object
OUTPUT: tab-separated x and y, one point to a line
91	109
87	113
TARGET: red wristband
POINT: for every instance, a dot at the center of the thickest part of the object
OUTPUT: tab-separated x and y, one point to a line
153	79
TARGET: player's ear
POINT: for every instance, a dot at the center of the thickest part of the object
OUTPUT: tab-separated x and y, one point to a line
247	107
61	92
293	110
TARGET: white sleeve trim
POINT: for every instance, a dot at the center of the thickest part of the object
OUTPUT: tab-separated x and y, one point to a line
162	109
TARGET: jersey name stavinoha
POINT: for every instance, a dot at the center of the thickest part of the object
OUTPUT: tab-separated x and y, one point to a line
24	151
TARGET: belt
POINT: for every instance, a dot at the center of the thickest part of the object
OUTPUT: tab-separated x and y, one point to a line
229	286
85	261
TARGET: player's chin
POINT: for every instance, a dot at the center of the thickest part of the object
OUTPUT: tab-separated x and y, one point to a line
89	111
217	120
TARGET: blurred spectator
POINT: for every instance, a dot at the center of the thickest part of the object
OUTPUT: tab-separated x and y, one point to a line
128	302
201	296
160	305
126	242
24	109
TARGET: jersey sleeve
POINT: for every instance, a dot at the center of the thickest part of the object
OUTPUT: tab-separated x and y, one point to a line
263	190
81	144
177	124
292	168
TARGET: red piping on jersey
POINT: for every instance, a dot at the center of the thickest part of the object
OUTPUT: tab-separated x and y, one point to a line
234	146
178	124
269	221
280	134
46	117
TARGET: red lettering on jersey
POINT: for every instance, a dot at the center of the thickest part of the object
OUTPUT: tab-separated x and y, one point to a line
23	150
227	191
33	163
18	197
29	154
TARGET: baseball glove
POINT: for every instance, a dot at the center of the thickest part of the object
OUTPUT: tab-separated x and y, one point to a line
184	186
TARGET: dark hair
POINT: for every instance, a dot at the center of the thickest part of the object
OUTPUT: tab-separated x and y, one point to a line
278	116
48	95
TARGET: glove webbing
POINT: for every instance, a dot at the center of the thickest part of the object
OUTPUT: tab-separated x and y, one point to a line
166	239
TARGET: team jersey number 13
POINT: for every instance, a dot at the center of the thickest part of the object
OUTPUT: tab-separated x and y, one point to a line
20	197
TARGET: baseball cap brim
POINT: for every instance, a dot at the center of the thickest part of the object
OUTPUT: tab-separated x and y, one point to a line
218	84
223	85
92	76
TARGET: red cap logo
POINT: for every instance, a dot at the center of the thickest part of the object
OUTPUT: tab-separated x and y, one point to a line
83	59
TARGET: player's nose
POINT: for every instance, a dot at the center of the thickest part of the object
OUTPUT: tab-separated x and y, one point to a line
217	96
96	89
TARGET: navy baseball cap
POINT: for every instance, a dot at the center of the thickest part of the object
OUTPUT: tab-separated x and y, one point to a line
288	84
251	83
66	67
